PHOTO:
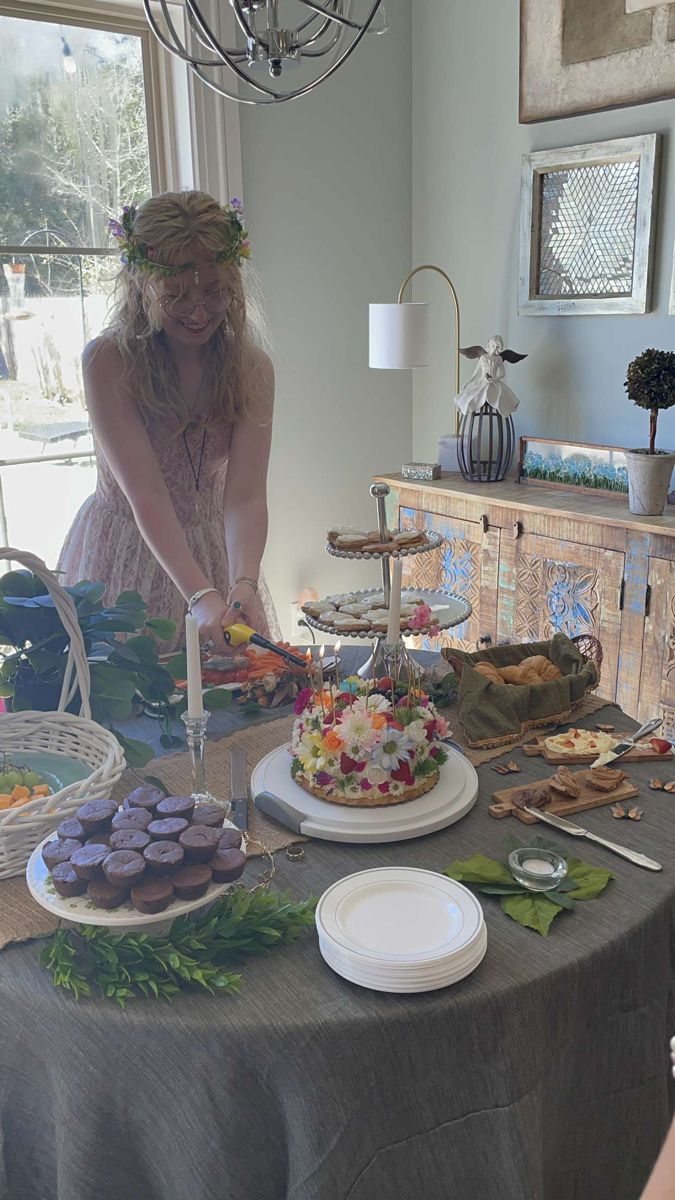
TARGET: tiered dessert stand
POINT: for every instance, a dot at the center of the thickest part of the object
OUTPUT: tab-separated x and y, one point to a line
448	609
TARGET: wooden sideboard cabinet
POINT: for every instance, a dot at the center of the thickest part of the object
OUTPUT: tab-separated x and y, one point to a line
536	560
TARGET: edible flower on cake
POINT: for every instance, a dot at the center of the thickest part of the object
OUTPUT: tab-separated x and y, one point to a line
367	744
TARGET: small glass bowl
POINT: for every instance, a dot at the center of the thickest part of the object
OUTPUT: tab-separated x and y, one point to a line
536	869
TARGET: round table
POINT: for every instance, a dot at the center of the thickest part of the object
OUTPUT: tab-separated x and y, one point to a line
543	1076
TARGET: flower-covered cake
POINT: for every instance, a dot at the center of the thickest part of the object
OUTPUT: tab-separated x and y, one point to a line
366	745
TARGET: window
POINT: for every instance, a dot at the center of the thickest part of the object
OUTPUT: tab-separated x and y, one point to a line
74	147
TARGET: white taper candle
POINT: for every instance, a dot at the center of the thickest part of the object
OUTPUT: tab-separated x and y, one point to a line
195	706
394	627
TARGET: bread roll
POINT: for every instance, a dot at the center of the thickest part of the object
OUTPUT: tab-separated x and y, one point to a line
489	670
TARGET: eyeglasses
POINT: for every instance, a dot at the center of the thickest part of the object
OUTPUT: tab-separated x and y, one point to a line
215	303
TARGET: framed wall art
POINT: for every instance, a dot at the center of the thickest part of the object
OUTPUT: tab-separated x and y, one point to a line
574	466
581	56
587	228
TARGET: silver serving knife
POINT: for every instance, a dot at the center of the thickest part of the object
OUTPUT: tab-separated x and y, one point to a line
633	856
627	744
238	787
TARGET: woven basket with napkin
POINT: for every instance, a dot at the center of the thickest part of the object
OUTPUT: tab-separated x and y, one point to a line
495	713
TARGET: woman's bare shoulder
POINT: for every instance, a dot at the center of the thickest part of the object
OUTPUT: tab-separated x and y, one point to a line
101	355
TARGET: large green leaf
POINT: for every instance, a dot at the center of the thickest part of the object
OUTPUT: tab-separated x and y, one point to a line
177	666
136	753
164	628
479	869
533	911
590	881
21	583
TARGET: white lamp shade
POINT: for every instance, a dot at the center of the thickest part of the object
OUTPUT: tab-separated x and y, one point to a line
399	336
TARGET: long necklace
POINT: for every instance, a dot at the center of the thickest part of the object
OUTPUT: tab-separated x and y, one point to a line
196	474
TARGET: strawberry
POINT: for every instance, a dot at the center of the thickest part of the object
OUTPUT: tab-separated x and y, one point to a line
349	765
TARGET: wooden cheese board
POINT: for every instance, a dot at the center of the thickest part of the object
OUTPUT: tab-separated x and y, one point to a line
503	800
640	754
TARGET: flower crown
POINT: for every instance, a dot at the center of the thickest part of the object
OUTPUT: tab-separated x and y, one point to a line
136	253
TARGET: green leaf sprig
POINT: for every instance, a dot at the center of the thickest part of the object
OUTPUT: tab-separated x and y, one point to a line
534	910
196	954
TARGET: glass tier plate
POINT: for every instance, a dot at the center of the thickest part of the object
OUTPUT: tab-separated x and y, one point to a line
449	610
434	540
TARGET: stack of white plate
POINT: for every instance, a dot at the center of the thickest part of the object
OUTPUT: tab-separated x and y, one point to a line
401	929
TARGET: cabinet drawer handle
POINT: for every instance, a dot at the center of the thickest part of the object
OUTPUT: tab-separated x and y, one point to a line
484	641
517	530
485	523
648	599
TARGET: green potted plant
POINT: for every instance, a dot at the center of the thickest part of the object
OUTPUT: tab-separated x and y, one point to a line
125	671
650	383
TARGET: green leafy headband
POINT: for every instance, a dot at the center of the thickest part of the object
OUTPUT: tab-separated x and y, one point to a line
136	253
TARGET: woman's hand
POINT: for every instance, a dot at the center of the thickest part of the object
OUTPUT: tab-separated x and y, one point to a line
211	613
243	595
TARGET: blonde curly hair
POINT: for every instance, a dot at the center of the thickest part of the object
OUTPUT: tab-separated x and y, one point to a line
176	225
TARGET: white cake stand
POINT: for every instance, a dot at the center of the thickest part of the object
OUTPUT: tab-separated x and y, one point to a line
277	794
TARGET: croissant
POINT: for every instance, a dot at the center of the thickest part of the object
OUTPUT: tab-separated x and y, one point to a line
544	667
489	670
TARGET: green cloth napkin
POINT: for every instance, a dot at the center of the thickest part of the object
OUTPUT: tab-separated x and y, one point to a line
490	713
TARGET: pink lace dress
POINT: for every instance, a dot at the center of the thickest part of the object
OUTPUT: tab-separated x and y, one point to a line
105	545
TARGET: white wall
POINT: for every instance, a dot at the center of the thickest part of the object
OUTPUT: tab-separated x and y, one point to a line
327	185
467	147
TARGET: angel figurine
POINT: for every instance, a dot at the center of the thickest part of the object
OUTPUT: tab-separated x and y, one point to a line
486	385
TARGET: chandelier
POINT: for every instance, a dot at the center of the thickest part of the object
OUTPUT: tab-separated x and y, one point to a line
324	36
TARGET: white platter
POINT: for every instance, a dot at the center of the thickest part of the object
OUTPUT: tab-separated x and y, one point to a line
80	910
276	794
400	916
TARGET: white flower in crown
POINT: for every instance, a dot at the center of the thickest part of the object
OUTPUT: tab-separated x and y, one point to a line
392	749
356	730
372	704
311	752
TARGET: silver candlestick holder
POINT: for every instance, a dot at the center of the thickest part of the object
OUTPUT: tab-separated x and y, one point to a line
196	740
394	660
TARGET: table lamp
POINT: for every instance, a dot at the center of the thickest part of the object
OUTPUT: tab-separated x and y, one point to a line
399	340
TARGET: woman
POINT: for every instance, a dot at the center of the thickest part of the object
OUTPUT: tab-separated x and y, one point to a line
180	400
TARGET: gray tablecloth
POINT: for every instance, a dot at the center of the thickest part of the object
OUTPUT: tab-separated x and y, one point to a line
543	1076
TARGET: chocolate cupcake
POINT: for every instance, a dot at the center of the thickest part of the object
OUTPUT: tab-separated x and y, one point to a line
105	894
227	865
152	896
199	843
66	880
230	839
209	814
131	818
99	839
124	868
167	830
191	882
71	828
96	815
129	839
163	858
146	797
59	850
176	806
88	860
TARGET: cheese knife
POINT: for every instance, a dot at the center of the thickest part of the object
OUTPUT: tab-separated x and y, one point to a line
627	744
633	856
238	787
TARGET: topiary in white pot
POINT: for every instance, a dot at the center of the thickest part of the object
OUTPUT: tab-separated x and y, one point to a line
650	383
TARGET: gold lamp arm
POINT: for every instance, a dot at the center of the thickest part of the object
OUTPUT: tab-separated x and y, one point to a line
406	281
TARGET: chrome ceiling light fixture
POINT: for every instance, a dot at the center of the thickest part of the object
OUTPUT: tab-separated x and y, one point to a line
323	37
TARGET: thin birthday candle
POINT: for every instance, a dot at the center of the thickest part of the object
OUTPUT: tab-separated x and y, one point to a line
322	651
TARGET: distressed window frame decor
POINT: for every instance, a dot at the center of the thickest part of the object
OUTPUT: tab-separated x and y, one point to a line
614	456
643	149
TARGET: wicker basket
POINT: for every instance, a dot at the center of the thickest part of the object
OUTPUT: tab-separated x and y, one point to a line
21	829
498	715
590	650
